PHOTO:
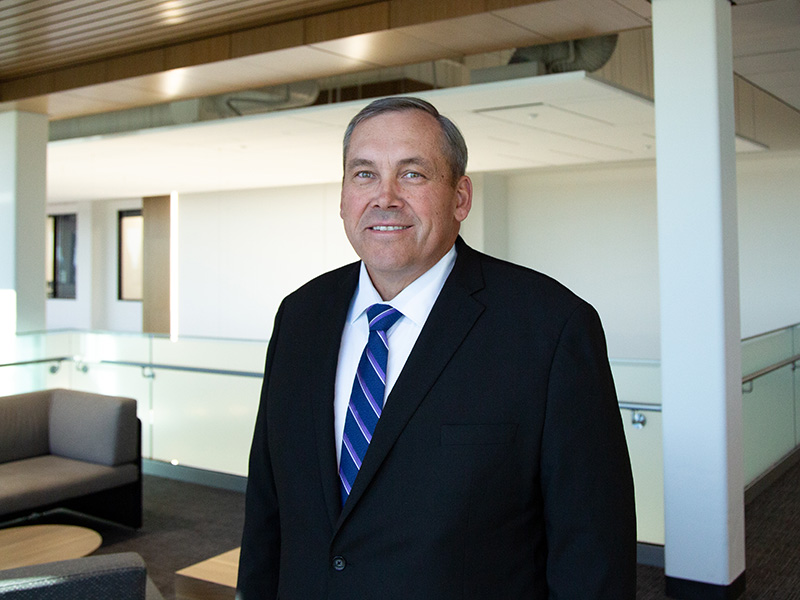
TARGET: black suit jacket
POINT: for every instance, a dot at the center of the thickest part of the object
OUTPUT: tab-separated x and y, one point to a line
498	469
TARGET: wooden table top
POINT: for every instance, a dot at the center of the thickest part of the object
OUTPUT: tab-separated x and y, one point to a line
221	569
36	544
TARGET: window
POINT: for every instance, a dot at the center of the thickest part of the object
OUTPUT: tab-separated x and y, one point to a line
131	236
60	256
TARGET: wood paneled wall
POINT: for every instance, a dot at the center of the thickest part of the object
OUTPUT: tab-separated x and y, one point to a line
156	265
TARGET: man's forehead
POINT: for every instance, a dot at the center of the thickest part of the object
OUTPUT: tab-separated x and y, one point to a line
412	129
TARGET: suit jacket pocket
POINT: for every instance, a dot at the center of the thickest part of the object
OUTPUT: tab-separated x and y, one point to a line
478	434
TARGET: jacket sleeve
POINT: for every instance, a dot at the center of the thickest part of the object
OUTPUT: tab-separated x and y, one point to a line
261	539
587	483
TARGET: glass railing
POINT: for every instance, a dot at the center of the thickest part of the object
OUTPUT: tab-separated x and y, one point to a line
770	396
198	399
638	384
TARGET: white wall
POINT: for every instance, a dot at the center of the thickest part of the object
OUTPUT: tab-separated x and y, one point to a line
95	305
769	241
595	228
242	252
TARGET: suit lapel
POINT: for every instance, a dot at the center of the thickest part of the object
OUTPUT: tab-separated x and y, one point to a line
449	322
329	332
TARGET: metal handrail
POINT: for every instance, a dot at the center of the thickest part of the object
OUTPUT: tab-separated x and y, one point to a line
83	364
770	332
640	406
145	366
766	370
208	371
38	361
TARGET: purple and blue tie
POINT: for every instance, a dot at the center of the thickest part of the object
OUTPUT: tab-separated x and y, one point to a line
366	399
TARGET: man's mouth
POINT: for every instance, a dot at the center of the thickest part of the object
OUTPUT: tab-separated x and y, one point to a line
389	227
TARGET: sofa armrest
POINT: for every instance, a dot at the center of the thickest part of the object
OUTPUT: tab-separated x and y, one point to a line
121	576
93	427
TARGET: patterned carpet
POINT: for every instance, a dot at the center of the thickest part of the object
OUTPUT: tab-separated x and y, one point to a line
772	546
185	523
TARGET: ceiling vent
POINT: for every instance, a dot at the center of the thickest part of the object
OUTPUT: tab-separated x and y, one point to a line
182	112
586	54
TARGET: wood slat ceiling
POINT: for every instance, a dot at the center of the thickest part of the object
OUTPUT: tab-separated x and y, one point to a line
41	35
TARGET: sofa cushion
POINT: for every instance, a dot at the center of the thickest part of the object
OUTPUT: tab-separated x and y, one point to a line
92	427
44	480
25	420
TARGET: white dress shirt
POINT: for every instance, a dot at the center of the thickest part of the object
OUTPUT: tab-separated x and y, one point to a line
415	302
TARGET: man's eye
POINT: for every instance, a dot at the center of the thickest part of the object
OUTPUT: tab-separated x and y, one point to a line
363	175
412	175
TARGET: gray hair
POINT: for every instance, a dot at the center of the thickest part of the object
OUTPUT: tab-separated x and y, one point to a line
455	148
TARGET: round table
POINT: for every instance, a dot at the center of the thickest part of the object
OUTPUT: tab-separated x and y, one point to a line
36	544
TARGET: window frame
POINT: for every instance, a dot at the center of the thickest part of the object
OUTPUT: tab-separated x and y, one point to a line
121	271
58	263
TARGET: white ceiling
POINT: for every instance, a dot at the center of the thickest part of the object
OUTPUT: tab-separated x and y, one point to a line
549	120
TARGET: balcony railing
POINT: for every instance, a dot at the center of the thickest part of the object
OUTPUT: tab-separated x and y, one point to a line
198	399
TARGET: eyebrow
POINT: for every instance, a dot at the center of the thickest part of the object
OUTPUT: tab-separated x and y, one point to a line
412	160
359	162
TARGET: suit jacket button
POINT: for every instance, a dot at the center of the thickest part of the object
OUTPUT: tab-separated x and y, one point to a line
339	563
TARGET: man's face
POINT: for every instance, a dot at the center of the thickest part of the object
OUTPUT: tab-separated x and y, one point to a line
400	207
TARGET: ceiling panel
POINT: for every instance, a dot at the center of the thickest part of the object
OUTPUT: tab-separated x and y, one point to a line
305	62
572	19
475	34
383	48
768	62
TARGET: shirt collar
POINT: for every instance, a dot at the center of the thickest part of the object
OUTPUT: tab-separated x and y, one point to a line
416	299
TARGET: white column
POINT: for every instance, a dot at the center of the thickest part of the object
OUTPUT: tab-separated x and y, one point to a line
23	174
698	256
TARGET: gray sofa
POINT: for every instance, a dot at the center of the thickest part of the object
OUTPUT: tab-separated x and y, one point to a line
120	576
70	449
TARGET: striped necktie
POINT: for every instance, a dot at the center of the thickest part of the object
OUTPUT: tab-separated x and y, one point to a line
366	399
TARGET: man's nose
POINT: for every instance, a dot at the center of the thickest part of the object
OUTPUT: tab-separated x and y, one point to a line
389	195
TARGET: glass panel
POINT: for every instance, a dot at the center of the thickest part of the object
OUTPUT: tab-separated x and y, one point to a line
232	355
768	420
24	378
204	421
637	381
645	449
766	350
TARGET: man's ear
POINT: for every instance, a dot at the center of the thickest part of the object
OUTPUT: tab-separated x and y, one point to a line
463	198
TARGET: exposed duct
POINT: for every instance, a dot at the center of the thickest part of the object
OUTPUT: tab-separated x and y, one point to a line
181	112
587	54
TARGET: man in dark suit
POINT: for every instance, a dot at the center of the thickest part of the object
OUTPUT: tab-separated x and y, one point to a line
497	468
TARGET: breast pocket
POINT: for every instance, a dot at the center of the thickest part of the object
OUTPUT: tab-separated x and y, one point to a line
474	434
